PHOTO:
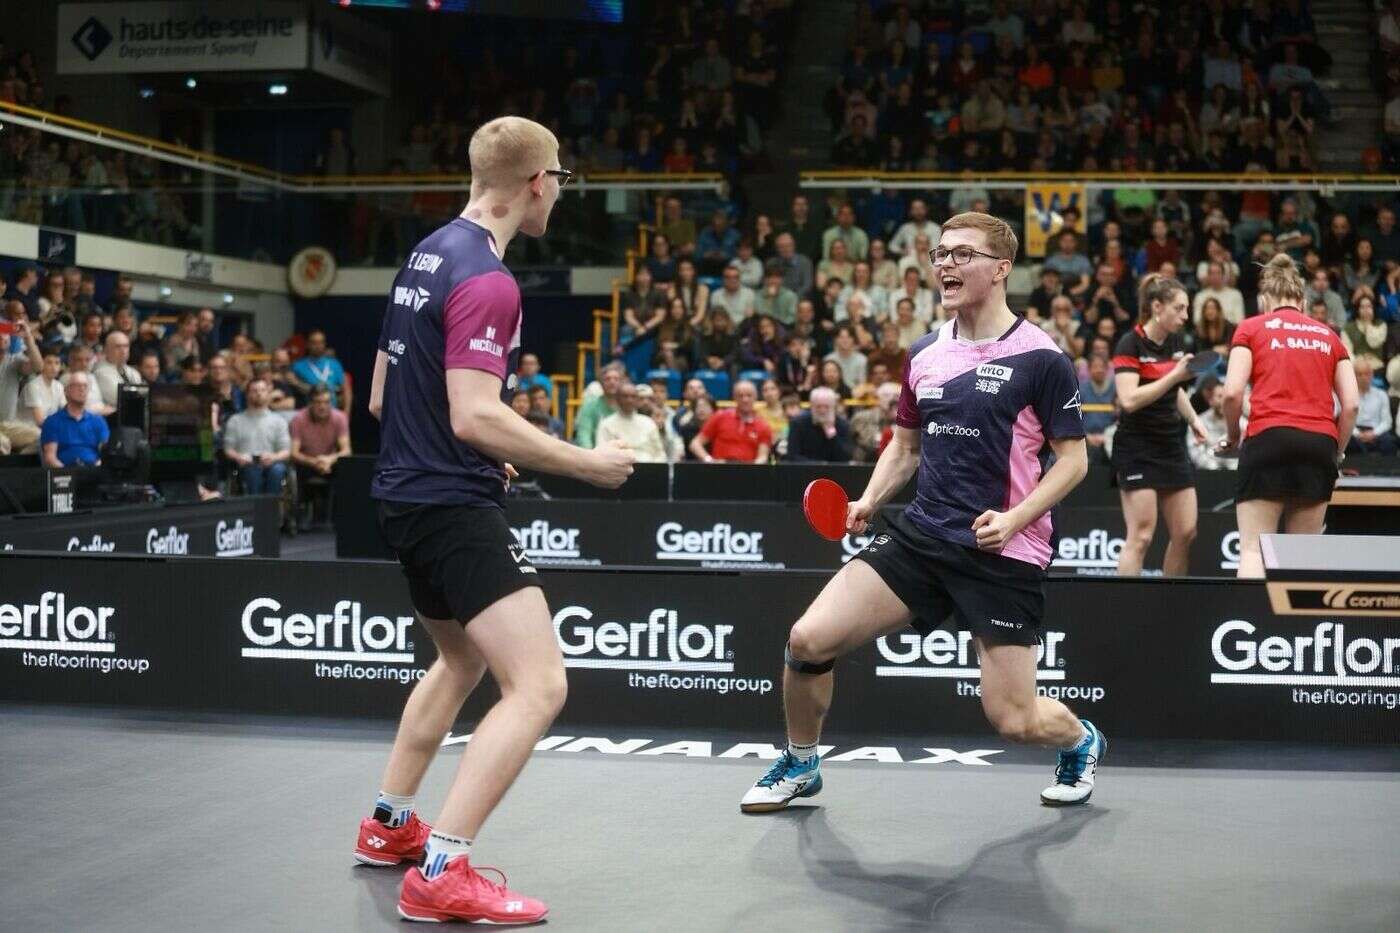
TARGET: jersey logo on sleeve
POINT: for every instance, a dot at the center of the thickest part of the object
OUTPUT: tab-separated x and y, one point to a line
424	262
487	344
411	297
934	393
1072	403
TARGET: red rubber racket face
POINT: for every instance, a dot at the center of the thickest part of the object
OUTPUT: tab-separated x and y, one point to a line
824	504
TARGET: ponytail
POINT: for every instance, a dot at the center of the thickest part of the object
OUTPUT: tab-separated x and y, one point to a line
1155	287
1280	281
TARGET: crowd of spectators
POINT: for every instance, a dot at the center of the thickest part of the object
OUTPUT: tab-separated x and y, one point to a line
64	358
698	99
796	304
1387	70
49	180
1222	86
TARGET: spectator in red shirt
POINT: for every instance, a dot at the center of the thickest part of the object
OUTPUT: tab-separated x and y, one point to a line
738	434
320	436
1161	247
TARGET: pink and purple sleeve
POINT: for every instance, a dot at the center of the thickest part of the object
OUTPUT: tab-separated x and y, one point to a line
478	321
908	414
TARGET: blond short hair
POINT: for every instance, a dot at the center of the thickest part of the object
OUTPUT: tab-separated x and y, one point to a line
1001	239
510	150
1279	279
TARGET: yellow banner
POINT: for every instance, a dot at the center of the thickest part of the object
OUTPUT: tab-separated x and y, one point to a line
1045	206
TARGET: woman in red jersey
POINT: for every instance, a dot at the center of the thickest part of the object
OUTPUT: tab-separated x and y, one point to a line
1289	460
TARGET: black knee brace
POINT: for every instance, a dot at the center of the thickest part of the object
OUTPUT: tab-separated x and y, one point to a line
806	667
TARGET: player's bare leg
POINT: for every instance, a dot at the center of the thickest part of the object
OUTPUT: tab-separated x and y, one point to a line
1255	517
1179	511
433	706
1014	709
1140	516
853	608
516	639
394	834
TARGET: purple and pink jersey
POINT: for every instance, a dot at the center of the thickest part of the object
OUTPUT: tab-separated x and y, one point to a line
454	305
985	411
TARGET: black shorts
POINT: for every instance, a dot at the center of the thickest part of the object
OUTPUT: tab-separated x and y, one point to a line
459	559
998	598
1287	465
1147	461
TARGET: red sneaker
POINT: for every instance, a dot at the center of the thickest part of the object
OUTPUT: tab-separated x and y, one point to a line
461	893
382	845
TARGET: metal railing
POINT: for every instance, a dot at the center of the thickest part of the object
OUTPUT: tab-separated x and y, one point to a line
201	201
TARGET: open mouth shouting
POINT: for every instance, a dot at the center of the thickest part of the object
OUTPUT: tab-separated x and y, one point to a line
950	285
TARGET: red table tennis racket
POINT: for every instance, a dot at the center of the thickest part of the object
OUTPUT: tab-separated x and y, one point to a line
824	503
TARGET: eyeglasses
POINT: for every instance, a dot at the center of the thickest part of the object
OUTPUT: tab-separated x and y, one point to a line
564	175
962	255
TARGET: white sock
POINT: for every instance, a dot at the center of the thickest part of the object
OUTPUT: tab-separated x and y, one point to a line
802	752
1073	746
392	810
441	850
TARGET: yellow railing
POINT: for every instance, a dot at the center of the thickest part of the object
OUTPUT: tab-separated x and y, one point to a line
43	119
1186	181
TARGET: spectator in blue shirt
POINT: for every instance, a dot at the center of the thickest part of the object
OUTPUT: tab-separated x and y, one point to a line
1096	402
74	436
317	368
1072	265
717	244
530	375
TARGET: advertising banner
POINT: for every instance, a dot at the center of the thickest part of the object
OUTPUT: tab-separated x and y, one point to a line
350	49
753	536
768	536
241	527
180	35
667	649
1045	205
96	631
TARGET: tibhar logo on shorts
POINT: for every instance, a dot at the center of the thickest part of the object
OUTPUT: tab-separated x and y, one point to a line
97	544
1325	657
343	634
411	297
522	560
955	430
53	634
234	540
172	541
946	654
721	543
660	643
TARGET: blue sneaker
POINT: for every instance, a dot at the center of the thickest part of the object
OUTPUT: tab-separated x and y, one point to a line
788	779
1074	775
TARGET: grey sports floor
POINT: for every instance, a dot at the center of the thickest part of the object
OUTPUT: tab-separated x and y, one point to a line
122	821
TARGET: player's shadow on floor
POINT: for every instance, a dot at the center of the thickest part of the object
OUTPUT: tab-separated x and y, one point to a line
377	895
1001	888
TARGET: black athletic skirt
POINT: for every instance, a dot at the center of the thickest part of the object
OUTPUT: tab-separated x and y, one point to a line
1150	461
1286	464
